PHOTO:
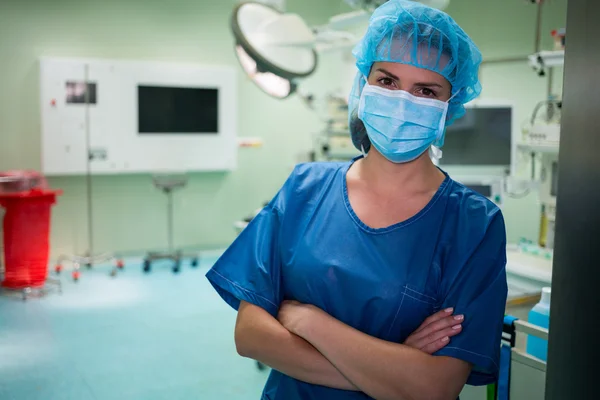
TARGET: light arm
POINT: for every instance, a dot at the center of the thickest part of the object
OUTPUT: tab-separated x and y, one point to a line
261	337
381	369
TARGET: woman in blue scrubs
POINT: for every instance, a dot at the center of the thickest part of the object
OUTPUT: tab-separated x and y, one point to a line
382	277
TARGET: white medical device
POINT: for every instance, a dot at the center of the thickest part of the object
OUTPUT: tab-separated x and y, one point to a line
113	116
541	137
543	128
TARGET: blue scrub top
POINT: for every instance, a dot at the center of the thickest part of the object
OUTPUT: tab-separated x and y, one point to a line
308	245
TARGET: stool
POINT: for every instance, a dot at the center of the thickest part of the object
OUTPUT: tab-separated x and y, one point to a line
168	184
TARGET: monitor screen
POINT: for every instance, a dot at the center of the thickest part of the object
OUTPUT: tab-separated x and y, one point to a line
177	110
481	137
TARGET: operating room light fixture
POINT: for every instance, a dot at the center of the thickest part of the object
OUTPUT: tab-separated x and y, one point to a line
273	48
270	83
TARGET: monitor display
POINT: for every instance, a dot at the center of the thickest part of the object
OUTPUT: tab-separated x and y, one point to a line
177	110
481	137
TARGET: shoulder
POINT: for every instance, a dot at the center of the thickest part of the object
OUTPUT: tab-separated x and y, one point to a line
306	181
307	173
473	213
475	237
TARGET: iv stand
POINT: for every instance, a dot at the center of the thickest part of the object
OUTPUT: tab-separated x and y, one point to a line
89	259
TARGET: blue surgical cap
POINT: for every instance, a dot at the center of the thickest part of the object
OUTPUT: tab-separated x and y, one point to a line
408	32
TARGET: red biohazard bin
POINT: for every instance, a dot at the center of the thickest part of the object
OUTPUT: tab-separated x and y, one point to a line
27	204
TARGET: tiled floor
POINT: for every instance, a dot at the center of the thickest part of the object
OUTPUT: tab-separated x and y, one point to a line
136	336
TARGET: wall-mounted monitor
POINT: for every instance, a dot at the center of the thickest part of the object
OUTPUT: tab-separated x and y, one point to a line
178	110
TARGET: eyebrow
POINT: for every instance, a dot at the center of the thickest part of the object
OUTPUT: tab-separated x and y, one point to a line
429	84
388	73
420	84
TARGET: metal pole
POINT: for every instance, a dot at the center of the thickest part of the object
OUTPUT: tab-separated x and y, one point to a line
572	352
538	28
90	215
550	110
170	218
550	86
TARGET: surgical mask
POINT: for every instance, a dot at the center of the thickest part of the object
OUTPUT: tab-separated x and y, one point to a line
402	126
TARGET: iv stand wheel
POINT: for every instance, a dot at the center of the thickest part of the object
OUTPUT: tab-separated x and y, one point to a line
146	266
177	266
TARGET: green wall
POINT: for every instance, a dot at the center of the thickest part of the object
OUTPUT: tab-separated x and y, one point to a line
129	213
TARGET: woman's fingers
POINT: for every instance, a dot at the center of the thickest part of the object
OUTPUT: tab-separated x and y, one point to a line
435	332
438	340
436	346
433	318
439	325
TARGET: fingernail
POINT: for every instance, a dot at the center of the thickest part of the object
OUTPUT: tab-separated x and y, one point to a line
445	339
456	327
449	310
459	317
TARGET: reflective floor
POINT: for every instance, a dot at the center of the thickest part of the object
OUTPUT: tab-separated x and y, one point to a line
135	336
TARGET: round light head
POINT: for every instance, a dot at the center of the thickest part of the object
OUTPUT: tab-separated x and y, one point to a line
273	48
268	82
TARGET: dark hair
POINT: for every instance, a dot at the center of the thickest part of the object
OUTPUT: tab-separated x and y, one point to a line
358	133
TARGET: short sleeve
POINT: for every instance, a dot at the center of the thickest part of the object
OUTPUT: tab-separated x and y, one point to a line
250	269
478	289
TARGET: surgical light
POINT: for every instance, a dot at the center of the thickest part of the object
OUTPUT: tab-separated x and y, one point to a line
274	49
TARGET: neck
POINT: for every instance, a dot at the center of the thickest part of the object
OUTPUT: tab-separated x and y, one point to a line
418	175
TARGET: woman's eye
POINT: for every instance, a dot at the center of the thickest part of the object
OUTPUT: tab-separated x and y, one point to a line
425	92
386	82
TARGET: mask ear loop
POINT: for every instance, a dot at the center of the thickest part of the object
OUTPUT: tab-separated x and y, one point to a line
435	153
454	95
362	150
443	121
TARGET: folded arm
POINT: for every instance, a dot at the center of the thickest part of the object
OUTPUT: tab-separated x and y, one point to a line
381	369
261	337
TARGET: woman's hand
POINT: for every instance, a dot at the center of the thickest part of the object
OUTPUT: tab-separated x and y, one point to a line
435	332
297	317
